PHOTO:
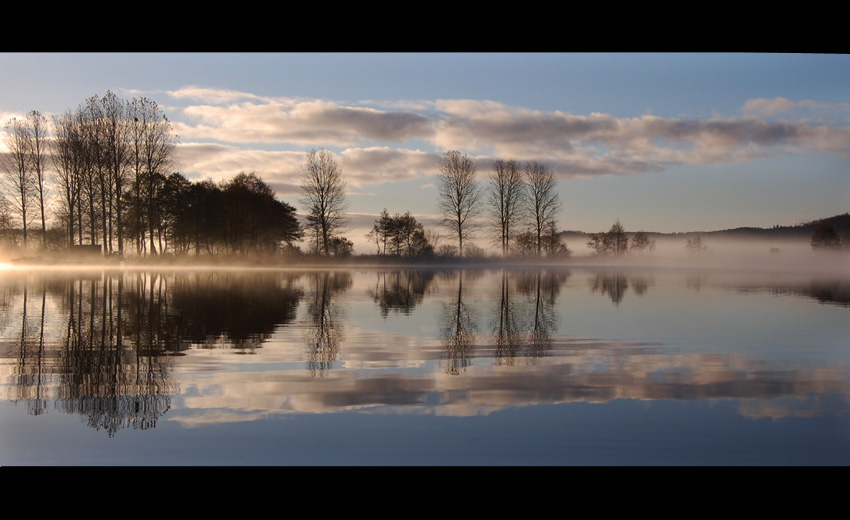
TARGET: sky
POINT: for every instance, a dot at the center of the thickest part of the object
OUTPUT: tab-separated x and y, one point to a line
667	142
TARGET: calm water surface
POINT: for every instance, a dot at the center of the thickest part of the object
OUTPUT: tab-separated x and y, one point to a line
576	366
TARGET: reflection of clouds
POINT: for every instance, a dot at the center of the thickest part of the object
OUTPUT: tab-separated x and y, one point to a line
576	371
803	408
409	370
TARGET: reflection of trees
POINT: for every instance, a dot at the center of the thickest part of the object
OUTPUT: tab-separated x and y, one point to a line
30	370
242	308
507	326
102	342
401	290
523	327
457	331
325	334
831	291
695	281
541	289
615	285
612	284
111	383
641	284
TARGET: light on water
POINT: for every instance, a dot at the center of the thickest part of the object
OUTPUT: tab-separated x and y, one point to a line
529	366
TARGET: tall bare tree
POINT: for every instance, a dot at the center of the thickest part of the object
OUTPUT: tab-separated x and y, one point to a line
542	199
68	163
94	189
151	156
38	149
458	195
324	196
505	196
116	150
16	165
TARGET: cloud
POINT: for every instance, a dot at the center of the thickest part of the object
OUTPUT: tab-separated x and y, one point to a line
385	164
374	145
221	162
282	169
211	95
241	118
779	105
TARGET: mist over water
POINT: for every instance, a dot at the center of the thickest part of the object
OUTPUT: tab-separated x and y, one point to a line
744	254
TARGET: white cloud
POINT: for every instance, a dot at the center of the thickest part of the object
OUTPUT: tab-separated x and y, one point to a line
780	105
366	138
385	164
302	122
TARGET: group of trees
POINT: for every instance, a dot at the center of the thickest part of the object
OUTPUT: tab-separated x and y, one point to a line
109	160
522	205
110	166
237	217
111	169
400	235
25	164
617	242
825	238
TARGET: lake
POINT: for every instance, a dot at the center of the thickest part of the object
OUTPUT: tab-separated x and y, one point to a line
577	365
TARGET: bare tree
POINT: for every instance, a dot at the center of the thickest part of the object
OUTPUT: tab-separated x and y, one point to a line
323	194
458	195
615	241
6	227
641	242
542	199
69	163
15	163
93	179
696	245
116	148
505	197
38	129
151	156
618	240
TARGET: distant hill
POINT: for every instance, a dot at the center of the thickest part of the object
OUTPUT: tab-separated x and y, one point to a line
841	224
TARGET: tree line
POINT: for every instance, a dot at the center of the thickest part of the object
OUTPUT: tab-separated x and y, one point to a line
109	162
110	167
519	204
617	242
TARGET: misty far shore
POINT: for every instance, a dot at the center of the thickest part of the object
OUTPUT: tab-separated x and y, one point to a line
780	248
738	253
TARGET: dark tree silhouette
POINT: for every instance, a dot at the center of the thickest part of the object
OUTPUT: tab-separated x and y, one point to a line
505	197
458	195
542	203
400	235
323	195
825	237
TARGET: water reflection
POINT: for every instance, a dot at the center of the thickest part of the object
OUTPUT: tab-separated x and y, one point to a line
401	290
616	284
117	347
523	328
325	334
104	342
458	329
73	344
232	309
